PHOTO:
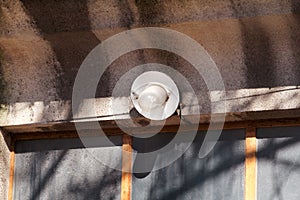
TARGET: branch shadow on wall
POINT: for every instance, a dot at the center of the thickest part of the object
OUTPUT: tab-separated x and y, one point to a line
262	55
260	73
63	169
219	175
294	37
258	55
66	25
263	69
56	169
2	82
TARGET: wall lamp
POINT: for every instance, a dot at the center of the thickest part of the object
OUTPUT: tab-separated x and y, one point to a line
155	95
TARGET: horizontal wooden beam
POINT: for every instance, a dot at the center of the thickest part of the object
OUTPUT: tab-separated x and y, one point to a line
138	122
166	129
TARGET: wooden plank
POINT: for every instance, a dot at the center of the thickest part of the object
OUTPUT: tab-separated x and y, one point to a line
126	168
166	129
108	125
250	164
11	172
45	135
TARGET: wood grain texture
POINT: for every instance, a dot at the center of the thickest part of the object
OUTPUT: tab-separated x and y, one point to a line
110	126
250	165
166	129
126	168
11	172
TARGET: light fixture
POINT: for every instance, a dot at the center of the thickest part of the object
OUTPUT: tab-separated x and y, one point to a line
155	95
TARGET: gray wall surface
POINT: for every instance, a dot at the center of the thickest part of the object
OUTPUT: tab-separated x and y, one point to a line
220	175
4	167
63	169
43	43
255	44
278	163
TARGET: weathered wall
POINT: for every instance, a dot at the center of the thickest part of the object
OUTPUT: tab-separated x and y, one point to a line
255	44
64	169
278	159
4	167
29	67
43	43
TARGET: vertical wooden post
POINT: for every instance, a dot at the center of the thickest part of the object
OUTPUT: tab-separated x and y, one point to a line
250	164
126	167
12	171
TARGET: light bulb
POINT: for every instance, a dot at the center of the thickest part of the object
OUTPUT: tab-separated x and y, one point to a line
152	97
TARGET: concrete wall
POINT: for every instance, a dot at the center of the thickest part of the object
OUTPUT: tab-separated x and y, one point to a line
4	167
63	169
43	43
254	43
278	159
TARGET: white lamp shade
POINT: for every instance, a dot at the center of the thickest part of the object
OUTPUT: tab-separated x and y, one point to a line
152	97
155	95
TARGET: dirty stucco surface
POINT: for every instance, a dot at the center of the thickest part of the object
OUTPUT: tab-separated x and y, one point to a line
28	64
2	83
43	42
4	167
